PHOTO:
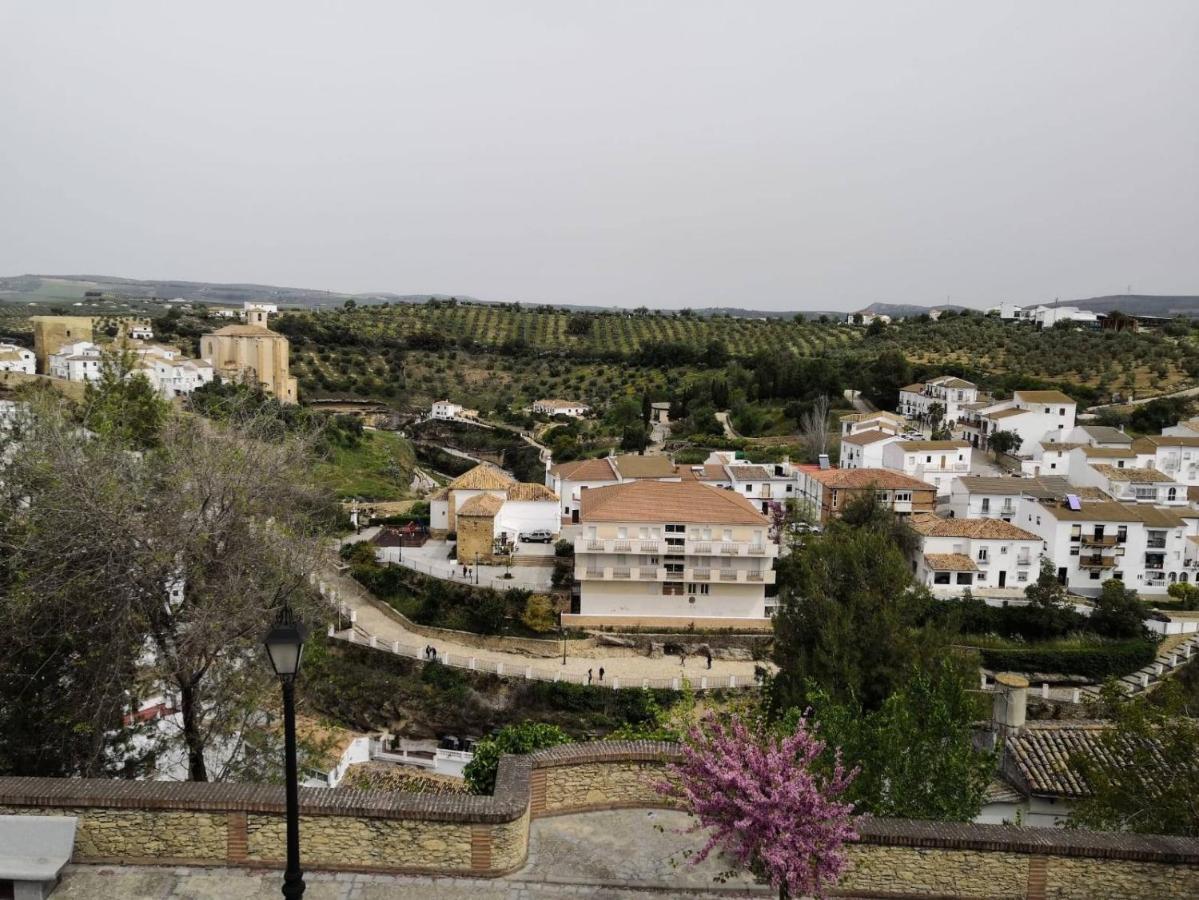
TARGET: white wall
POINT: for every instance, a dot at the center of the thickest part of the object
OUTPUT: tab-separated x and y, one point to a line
645	598
517	516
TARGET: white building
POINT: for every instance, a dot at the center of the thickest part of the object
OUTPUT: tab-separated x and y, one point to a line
891	423
141	332
1036	417
1130	484
934	462
1047	316
1176	455
519	507
1143	546
175	377
1002	497
254	305
866	318
864	449
79	361
949	392
445	410
671	554
17	359
766	485
956	555
571	408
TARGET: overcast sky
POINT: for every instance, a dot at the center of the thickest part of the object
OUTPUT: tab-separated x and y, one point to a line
775	155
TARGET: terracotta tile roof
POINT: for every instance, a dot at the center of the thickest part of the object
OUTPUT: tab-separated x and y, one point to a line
933	445
527	490
949	562
483	477
1136	476
668	501
996	529
885	479
866	437
917	388
1006	413
952	382
1050	486
1167	440
1043	397
1060	446
483	505
1105	434
585	470
1108	452
246	331
634	466
1037	759
748	473
1160	517
879	414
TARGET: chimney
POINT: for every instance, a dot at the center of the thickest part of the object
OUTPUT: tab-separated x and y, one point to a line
1010	705
823	460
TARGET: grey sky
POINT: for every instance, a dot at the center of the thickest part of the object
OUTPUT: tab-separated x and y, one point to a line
766	154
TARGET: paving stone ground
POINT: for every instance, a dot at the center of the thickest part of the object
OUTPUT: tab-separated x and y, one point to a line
618	855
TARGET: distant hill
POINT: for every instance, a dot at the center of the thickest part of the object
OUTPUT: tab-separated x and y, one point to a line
905	310
1143	304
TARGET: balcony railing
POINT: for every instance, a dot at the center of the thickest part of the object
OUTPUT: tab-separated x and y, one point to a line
753	576
729	549
677	546
728	574
983	561
656	574
702	548
621	573
648	573
595	545
757	549
622	547
1024	560
1096	562
1105	540
701	574
1159	544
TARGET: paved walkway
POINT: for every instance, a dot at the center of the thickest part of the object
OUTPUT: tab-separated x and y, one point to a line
617	662
620	855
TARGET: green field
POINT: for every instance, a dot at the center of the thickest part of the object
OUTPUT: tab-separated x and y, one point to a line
378	468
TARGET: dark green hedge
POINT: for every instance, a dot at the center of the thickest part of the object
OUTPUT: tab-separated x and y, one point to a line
1096	662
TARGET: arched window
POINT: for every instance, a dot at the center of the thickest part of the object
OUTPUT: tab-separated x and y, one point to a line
1182	577
1173	577
1172	494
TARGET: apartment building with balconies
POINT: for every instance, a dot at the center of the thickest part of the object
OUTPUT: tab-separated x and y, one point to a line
950	393
1091	541
956	555
934	462
1034	416
1001	497
671	554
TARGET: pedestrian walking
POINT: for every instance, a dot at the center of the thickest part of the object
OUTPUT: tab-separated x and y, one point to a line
589	676
601	674
682	657
708	656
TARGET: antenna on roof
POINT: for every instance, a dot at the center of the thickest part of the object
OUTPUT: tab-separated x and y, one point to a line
1073	502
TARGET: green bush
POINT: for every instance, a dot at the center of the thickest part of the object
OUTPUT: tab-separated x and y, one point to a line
1096	662
523	738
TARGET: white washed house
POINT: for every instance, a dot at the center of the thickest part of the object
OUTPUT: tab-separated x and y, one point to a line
934	462
956	555
17	359
79	361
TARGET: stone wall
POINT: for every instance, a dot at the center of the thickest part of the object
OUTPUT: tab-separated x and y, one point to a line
476	539
243	825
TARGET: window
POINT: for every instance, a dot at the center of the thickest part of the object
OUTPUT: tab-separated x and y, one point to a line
1119	576
965	577
928	459
986	504
1121	534
1062	411
903	496
1003	550
1094	575
1022	576
982	554
1172	494
676	529
622	532
1048	410
940	578
672	588
1074	551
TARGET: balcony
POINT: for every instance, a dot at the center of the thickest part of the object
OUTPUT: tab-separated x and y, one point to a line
1024	560
1096	562
1157	544
754	576
703	548
622	546
729	550
647	573
657	574
622	573
1106	540
728	574
677	546
757	549
947	469
650	547
595	545
701	574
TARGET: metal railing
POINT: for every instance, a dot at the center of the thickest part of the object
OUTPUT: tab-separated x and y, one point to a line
728	574
531	673
701	574
621	573
729	550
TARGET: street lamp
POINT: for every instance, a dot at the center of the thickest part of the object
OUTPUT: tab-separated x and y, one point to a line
285	648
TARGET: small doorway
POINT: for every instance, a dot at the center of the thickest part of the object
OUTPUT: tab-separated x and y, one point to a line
1061	575
1002	578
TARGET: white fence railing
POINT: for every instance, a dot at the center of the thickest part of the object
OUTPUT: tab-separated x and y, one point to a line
533	673
449	571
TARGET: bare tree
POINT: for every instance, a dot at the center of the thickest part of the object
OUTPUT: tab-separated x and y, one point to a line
813	427
176	558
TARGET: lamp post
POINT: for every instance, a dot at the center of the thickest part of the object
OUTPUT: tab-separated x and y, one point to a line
562	631
477	568
285	648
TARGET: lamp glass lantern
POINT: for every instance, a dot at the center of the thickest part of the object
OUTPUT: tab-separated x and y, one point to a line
285	645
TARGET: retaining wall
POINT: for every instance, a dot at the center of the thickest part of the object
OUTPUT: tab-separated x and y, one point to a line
243	825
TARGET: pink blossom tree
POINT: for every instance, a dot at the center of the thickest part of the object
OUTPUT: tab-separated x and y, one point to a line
765	802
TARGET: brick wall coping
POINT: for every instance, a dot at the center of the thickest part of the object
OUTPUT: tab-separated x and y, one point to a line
511	801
